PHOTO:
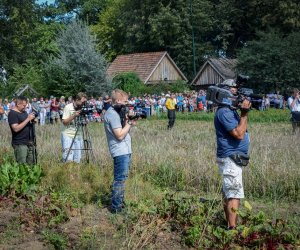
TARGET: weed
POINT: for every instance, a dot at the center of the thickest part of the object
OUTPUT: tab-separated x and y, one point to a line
58	241
18	179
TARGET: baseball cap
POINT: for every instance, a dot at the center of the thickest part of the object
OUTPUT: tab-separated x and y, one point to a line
167	95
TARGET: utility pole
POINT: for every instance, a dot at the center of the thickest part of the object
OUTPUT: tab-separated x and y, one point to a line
193	39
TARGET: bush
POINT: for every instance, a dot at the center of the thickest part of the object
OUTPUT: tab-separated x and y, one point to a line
18	179
129	82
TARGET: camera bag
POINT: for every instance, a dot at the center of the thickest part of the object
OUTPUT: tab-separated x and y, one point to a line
240	159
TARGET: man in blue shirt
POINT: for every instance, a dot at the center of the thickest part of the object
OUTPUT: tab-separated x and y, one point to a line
232	143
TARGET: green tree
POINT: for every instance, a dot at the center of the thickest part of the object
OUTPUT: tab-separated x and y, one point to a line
272	62
17	23
84	68
29	73
237	22
130	83
137	26
66	10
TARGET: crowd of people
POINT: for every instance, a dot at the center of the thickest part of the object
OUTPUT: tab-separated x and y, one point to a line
50	110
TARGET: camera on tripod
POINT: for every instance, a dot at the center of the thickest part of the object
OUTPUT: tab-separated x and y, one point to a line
86	109
221	94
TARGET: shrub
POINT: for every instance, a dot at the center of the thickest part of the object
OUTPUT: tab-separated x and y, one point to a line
18	179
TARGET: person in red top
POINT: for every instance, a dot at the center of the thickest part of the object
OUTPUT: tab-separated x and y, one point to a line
54	110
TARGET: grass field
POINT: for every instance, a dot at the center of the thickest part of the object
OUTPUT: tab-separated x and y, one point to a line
170	171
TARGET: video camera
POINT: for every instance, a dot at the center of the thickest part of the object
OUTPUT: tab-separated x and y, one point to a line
222	96
86	109
124	111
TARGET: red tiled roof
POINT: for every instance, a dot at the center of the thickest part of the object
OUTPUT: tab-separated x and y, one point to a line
141	63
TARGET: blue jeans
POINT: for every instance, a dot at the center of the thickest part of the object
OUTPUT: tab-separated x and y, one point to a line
121	169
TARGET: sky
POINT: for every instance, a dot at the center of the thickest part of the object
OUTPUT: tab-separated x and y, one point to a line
43	1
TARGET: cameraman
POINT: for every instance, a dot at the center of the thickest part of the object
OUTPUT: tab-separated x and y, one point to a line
119	143
22	129
232	143
294	106
70	113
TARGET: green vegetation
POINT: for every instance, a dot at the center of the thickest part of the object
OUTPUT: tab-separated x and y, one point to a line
170	172
18	179
264	36
268	116
130	83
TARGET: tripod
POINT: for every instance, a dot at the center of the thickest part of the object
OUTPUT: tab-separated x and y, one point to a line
32	140
81	128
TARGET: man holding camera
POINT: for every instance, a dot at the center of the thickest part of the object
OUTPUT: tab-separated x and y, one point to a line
22	129
70	113
294	106
232	153
117	126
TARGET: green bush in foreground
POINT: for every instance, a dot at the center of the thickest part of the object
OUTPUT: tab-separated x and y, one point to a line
19	179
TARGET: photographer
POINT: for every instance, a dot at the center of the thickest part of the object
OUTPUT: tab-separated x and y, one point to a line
119	142
22	129
294	106
70	113
232	153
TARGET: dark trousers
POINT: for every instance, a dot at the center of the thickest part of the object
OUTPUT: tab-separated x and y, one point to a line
171	117
24	154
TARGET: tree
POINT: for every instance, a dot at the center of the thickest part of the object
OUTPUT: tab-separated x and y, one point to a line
272	62
130	83
84	67
238	21
17	21
154	25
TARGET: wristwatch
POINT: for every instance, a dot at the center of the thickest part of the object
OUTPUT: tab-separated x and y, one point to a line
129	122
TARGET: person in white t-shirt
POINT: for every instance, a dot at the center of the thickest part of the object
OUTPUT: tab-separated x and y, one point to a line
294	106
70	113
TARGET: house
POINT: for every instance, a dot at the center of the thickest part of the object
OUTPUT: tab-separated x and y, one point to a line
151	67
25	87
215	71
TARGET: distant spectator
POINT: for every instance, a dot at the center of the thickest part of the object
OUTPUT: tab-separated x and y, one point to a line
170	105
42	111
106	103
294	106
54	108
62	105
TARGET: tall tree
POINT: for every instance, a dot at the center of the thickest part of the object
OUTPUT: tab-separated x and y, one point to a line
17	23
238	21
151	25
84	68
272	62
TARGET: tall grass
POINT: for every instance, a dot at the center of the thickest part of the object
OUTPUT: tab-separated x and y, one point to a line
268	116
182	159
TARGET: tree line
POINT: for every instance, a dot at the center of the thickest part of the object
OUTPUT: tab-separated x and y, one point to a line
42	45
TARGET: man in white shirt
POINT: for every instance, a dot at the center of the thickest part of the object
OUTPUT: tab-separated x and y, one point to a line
70	113
294	106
